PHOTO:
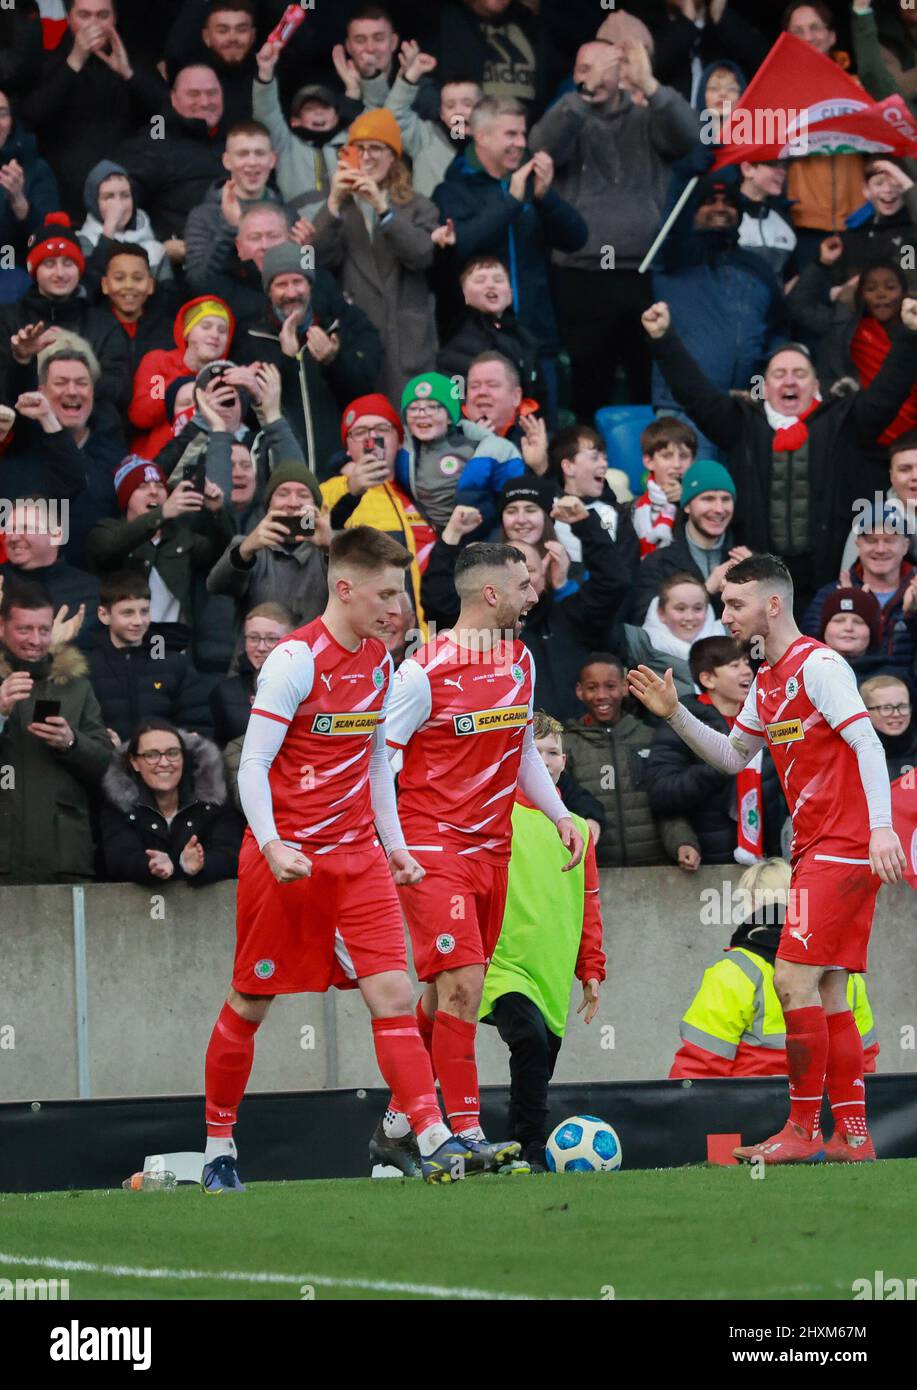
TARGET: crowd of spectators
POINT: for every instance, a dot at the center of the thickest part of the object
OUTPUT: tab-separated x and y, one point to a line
388	273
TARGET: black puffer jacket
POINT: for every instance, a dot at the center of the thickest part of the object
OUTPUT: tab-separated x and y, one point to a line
679	783
231	701
147	682
131	822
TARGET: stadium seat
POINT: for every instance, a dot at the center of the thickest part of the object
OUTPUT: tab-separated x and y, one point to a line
621	426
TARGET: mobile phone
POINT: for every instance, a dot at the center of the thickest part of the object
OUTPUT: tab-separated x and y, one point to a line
196	474
298	527
287	25
348	157
45	710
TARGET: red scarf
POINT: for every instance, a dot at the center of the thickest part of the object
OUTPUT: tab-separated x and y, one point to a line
793	437
869	349
749	803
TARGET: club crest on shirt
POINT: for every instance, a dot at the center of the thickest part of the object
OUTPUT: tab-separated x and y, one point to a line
351	722
483	721
378	678
449	464
786	731
792	688
517	674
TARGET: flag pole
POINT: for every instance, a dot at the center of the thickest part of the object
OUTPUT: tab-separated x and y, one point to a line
667	224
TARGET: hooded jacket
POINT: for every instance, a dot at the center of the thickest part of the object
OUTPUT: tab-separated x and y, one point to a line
613	166
734	1026
138	232
491	462
489	219
45	834
156	371
131	821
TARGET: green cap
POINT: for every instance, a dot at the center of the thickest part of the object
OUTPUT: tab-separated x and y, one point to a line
291	472
705	476
432	386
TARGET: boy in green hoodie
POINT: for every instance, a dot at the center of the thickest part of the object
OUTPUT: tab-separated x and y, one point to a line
552	930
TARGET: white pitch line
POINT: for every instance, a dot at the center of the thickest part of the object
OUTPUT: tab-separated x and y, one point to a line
261	1277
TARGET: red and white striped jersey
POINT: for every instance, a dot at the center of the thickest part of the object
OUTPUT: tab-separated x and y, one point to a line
800	705
460	718
333	701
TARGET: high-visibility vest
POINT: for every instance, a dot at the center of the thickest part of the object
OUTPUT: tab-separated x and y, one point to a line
734	1026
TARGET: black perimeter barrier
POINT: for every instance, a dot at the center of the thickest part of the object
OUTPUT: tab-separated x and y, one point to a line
46	1146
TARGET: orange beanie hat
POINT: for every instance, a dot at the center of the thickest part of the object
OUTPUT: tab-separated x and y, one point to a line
379	125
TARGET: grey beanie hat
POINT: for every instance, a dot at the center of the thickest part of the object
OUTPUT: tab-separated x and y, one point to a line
285	259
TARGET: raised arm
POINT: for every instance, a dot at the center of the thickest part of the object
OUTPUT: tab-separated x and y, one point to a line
729	754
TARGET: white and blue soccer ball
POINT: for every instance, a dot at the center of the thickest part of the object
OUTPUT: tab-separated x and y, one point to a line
583	1144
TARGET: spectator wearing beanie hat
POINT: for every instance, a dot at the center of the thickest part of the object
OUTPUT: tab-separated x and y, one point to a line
702	543
883	573
203	331
55	261
851	624
446	460
307	148
377	233
279	561
169	537
326	350
365	493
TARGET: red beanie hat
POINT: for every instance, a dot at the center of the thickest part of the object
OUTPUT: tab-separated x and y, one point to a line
373	404
55	237
133	472
859	601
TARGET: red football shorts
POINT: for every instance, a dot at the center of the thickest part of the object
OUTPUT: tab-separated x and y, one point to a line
338	926
830	913
455	913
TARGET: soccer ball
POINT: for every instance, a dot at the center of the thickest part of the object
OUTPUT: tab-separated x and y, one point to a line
583	1144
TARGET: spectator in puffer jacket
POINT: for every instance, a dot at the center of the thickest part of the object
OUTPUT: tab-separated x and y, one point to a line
612	159
446	459
232	697
488	324
134	673
202	332
765	229
607	752
167	815
112	216
680	783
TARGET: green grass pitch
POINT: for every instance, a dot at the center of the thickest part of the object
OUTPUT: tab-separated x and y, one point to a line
796	1233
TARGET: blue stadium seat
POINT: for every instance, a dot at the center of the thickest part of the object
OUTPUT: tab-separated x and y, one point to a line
621	427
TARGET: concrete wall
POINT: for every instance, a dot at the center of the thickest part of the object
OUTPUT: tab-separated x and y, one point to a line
157	968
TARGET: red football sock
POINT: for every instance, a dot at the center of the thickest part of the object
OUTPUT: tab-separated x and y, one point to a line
425	1029
406	1068
227	1069
846	1088
806	1059
457	1070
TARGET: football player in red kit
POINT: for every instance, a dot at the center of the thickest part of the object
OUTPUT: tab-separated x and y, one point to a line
459	727
317	904
804	704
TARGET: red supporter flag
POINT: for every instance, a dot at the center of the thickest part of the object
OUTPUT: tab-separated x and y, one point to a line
904	817
839	116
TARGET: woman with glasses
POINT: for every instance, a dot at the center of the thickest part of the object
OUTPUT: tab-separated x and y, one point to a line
890	706
232	696
166	816
377	234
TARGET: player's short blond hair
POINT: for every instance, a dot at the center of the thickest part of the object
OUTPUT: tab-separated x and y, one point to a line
546	726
